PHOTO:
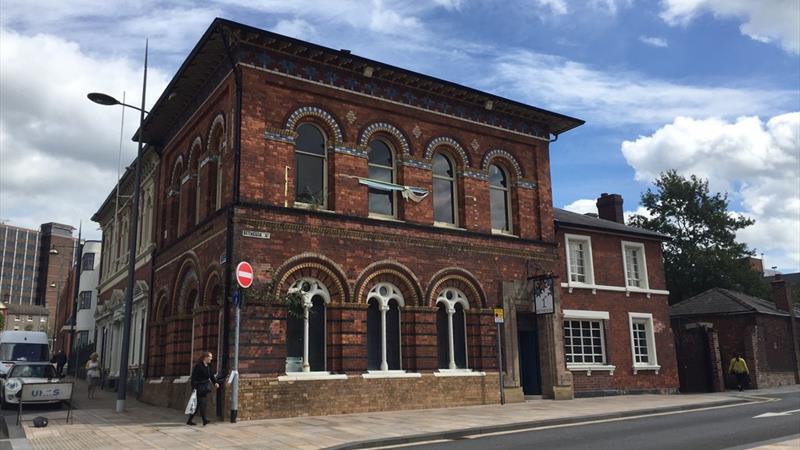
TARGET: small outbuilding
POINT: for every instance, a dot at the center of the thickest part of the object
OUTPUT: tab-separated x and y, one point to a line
716	325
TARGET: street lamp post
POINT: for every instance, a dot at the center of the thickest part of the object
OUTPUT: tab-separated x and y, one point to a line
103	99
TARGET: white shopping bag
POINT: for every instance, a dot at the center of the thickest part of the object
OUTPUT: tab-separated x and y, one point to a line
191	407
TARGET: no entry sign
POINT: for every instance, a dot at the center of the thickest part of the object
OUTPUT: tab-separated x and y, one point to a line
244	274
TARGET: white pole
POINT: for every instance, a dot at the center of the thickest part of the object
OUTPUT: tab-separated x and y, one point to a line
450	312
384	364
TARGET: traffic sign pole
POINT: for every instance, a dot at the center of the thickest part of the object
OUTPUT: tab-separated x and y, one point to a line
235	373
499	318
244	277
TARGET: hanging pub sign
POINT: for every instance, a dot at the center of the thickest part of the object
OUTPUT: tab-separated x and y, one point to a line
543	295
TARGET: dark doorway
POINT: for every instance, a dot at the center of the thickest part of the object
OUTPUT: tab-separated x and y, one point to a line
528	335
694	360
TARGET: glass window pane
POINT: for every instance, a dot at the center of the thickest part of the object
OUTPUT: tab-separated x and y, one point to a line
379	153
442	166
497	177
381	202
309	183
499	205
310	139
381	174
443	201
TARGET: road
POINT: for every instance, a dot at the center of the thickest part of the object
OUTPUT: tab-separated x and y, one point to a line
717	428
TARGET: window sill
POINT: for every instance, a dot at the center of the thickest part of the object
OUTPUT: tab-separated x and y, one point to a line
382	217
458	373
377	374
158	380
656	368
311	376
589	368
505	233
313	207
599	287
181	380
448	225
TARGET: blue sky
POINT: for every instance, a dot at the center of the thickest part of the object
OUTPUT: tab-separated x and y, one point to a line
710	87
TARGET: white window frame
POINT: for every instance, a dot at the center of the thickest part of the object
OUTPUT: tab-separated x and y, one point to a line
453	191
642	269
393	169
593	316
651	342
589	267
395	294
456	296
506	197
324	156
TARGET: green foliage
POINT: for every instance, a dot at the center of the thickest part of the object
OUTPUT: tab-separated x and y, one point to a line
2	322
703	252
265	293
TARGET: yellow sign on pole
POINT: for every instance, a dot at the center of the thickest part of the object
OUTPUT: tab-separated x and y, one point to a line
498	315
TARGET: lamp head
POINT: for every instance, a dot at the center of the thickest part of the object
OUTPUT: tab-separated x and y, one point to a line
53	251
103	99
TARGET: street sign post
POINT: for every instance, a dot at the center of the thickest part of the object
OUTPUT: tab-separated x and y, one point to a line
499	317
244	277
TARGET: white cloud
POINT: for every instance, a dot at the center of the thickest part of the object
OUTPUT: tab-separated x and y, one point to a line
757	162
763	20
610	6
296	28
582	206
654	41
58	151
619	98
554	7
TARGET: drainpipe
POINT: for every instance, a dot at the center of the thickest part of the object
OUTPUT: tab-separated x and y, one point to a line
237	119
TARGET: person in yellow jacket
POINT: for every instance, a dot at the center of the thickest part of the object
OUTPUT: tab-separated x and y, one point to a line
739	369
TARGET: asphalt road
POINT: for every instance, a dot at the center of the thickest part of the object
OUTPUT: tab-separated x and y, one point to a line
718	428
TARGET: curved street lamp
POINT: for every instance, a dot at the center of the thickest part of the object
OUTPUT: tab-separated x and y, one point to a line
107	100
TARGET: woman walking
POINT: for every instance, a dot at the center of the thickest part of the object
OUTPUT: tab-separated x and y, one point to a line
93	373
202	379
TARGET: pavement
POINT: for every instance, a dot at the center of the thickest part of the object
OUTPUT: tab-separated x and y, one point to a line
96	425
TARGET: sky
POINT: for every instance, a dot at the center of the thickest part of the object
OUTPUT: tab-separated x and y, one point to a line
705	87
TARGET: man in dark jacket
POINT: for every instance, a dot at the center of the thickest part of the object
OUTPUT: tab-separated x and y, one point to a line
202	380
59	359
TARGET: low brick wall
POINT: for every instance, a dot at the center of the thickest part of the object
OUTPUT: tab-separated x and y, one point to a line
268	398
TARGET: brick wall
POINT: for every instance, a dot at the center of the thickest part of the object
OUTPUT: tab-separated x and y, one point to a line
268	398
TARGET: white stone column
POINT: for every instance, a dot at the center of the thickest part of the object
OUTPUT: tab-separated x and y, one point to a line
450	312
306	307
384	364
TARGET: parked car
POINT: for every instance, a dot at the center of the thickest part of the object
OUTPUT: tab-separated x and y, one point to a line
28	346
24	373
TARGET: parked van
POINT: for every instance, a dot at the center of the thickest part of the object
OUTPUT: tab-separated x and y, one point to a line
30	346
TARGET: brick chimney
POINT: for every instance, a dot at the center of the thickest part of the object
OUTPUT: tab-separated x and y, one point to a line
609	207
781	295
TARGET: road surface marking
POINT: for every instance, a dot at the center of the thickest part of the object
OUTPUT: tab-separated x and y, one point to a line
776	414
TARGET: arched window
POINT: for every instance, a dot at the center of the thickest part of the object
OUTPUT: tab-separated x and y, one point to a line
383	327
444	190
310	166
381	168
451	329
499	198
305	336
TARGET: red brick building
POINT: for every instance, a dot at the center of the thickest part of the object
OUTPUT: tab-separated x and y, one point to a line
617	337
399	205
717	325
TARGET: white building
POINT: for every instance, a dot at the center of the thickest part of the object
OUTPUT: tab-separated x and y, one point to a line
87	293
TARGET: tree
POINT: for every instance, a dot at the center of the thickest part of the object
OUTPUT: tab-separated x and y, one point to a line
702	252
